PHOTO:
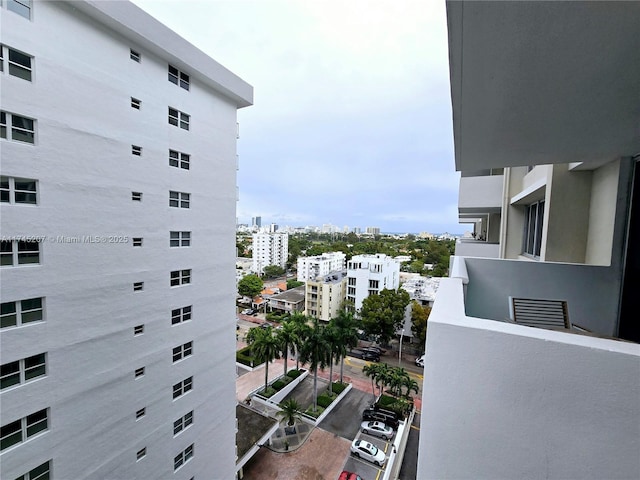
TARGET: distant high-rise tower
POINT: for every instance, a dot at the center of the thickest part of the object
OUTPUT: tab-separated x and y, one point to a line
256	222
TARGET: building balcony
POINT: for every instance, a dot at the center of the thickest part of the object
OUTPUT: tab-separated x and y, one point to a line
512	401
468	247
480	194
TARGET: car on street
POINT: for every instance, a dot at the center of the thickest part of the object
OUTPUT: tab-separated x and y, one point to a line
364	355
246	311
371	348
378	429
368	451
385	416
420	361
349	476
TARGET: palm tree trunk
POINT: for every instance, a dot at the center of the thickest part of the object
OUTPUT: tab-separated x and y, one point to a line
266	376
330	373
341	369
315	389
286	354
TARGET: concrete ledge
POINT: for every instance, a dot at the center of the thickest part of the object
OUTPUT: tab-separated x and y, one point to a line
281	394
330	407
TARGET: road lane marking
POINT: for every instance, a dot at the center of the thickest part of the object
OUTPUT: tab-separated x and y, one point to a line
416	428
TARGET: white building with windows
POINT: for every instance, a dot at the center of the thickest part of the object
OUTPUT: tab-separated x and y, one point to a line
311	268
368	274
532	348
118	174
269	249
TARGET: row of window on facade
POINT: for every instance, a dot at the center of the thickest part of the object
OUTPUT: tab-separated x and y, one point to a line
18	128
27	252
25	428
31	310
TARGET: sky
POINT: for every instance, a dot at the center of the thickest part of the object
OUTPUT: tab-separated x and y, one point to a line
351	122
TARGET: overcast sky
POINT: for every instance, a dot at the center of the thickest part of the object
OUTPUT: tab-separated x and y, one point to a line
351	122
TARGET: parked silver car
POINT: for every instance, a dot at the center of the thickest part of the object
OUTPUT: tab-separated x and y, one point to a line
377	429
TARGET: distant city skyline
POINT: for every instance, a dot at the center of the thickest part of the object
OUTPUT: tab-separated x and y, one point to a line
351	121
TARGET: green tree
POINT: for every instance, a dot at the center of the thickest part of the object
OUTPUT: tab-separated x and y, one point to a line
347	328
265	347
375	371
293	284
411	385
419	317
332	337
272	271
250	285
287	336
299	321
290	411
315	352
383	314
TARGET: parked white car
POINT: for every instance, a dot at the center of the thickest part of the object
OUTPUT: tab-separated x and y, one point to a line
368	451
378	429
420	361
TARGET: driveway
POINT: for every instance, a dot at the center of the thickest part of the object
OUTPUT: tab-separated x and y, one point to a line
345	419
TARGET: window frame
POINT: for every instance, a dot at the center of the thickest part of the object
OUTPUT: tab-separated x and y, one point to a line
10	191
183	457
10	129
182	388
23	369
135	55
20	254
179	78
179	119
532	232
179	159
27	69
178	278
181	315
179	239
179	199
18	313
182	423
38	473
25	4
25	426
182	351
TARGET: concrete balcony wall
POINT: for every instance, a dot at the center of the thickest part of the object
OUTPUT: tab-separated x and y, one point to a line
475	248
505	401
591	292
480	194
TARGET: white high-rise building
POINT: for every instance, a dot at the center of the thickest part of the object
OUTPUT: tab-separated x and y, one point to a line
269	249
532	348
310	268
118	208
368	274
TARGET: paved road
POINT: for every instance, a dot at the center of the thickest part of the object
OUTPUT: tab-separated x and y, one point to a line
345	419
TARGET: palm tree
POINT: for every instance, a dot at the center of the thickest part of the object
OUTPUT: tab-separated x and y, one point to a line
315	352
300	322
373	370
265	347
332	337
346	325
411	385
287	336
290	411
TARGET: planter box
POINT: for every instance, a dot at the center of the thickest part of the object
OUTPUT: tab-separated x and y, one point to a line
287	389
330	407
